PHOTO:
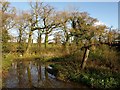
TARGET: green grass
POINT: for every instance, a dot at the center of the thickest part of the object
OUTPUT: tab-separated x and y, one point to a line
98	78
6	61
100	72
93	77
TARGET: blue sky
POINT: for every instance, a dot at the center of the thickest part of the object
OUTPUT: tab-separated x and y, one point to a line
106	12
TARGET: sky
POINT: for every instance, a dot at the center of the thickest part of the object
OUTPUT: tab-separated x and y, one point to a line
105	12
66	0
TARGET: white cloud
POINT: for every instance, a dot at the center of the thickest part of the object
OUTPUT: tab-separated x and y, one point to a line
99	23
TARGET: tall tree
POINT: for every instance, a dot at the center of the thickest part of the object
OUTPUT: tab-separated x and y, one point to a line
84	29
48	23
65	21
21	26
7	22
37	11
33	21
30	27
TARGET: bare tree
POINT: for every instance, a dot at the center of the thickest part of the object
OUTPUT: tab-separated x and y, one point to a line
21	26
7	21
65	21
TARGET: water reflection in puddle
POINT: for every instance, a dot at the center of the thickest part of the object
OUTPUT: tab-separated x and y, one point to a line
32	74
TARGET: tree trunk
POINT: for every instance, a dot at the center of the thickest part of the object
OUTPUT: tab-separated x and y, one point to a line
29	42
19	49
66	42
46	40
39	40
85	57
64	45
